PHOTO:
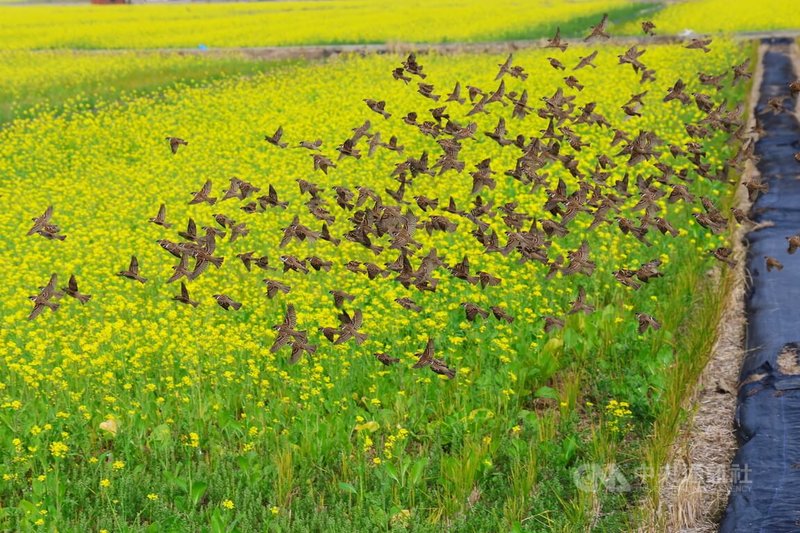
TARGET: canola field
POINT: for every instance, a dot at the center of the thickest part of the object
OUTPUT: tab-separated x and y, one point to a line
296	23
48	81
135	412
285	23
724	16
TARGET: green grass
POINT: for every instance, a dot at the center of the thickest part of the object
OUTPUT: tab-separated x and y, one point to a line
461	466
579	26
86	80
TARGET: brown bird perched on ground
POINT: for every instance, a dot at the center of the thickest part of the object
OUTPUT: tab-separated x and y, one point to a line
699	44
175	143
133	271
772	263
724	254
794	243
647	321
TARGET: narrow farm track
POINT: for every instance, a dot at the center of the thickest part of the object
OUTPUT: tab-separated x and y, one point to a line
765	471
311	52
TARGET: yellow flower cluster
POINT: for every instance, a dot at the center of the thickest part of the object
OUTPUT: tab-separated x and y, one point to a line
58	449
37	82
618	416
283	23
166	373
725	16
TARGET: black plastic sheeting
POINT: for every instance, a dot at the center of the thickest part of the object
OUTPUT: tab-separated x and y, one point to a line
765	496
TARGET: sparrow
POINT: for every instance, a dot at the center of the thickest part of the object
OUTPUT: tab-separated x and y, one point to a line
339	297
500	314
724	254
386	359
647	321
202	195
377	106
473	311
274	287
426	359
772	263
409	304
794	243
160	218
600	29
580	305
72	290
183	297
556	42
175	143
43	299
699	44
275	140
133	271
181	269
226	302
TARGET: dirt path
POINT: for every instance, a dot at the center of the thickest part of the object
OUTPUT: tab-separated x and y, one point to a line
695	490
765	473
496	47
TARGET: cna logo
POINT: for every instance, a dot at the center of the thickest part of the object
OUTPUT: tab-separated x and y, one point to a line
591	477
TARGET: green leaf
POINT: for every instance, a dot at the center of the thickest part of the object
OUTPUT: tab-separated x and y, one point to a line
198	489
418	469
161	436
217	522
392	471
28	507
546	392
347	487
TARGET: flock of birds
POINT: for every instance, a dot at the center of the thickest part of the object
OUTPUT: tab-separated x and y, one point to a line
528	236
